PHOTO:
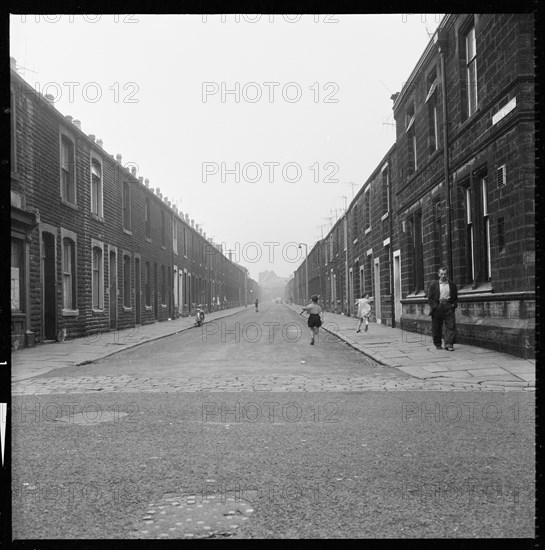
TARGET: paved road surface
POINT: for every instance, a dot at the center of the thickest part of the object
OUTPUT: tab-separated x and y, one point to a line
187	438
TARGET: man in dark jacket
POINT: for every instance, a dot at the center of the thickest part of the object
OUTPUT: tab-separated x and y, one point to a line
443	300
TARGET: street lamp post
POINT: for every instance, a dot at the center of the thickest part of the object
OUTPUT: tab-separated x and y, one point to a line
306	269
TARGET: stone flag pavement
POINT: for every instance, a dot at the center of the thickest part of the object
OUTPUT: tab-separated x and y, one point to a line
416	355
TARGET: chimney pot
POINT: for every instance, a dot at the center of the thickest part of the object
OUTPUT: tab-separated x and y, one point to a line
77	124
49	98
119	157
157	190
100	143
69	118
91	137
141	179
146	181
133	170
192	222
168	202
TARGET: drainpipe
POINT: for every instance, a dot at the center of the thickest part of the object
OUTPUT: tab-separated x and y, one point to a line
441	39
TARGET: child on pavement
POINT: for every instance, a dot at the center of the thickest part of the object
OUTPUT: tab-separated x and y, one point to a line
314	319
364	311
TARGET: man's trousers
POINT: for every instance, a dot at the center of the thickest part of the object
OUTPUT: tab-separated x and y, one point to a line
443	313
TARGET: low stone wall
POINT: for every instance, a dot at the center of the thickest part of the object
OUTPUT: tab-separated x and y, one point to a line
503	325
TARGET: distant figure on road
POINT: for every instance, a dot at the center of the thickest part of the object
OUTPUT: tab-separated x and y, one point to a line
443	300
364	311
256	304
314	319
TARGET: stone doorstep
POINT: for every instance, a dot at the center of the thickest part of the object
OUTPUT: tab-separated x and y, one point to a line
417	372
515	369
435	368
488	372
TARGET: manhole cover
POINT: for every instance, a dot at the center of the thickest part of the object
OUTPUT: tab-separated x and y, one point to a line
177	516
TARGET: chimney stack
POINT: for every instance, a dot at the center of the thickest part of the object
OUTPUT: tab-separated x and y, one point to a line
133	170
141	179
192	223
77	124
91	137
119	158
146	181
49	98
12	63
68	118
100	143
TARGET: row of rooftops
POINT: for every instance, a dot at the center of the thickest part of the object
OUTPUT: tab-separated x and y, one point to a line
98	143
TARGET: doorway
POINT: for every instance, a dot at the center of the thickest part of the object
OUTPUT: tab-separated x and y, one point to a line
49	286
137	280
398	308
112	269
378	310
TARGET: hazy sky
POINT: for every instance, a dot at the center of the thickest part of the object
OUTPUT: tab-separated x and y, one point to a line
313	107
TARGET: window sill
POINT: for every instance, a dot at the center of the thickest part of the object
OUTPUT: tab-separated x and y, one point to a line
163	306
97	217
163	247
147	308
355	240
483	288
384	216
127	308
127	232
70	312
417	295
69	204
148	239
368	230
97	311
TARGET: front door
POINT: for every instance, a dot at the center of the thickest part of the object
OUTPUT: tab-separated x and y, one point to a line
113	289
50	286
138	290
398	308
378	312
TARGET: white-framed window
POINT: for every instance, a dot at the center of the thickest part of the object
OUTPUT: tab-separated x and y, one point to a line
68	172
431	100
97	266
148	284
68	259
486	264
471	68
163	228
13	149
96	187
17	275
470	237
385	189
127	281
175	235
127	221
147	218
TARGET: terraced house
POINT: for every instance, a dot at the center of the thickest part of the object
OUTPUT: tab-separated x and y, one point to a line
456	189
93	247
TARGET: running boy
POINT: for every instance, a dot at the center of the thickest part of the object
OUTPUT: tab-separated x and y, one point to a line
364	311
